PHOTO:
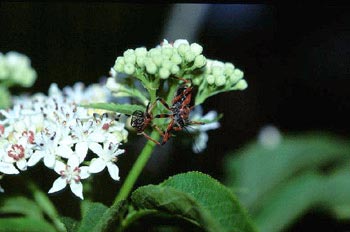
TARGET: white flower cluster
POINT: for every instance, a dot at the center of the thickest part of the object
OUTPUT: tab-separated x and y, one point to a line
15	68
220	74
161	61
55	130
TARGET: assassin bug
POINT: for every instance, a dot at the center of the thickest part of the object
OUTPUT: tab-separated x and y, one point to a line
140	121
180	110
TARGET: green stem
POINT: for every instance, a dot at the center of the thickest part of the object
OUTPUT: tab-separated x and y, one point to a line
136	169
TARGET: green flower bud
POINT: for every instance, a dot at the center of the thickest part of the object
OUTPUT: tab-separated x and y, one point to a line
229	65
119	65
157	60
176	59
183	49
200	61
129	52
217	71
210	79
129	69
120	60
167	51
241	85
25	77
167	64
164	73
220	80
189	56
174	69
238	73
196	49
154	52
140	51
234	78
131	58
229	69
151	68
140	61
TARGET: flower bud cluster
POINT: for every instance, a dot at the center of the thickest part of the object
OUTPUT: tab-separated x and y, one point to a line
162	61
55	130
221	74
16	69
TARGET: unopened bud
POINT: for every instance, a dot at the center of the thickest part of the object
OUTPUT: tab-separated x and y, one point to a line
183	49
129	69
220	80
164	73
174	69
151	68
241	85
176	59
217	71
196	49
200	61
140	51
189	56
210	79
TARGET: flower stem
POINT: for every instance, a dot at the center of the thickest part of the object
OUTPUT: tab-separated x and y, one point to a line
136	169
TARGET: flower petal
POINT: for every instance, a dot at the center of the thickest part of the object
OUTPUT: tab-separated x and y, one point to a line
97	136
84	172
77	189
59	184
96	148
35	158
81	150
97	165
113	170
49	160
73	161
59	166
21	164
64	151
8	168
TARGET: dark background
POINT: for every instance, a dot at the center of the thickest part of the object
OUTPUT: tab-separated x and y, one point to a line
296	60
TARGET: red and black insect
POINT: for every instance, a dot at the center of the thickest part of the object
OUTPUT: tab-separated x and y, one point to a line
180	110
141	120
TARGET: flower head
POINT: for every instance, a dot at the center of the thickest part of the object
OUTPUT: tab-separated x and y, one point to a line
54	129
70	174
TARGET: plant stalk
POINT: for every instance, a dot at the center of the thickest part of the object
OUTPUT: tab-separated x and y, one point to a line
137	169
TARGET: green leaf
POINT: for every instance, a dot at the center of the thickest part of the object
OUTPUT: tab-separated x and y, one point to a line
258	170
24	224
92	213
113	214
21	205
120	108
46	206
198	198
290	200
70	224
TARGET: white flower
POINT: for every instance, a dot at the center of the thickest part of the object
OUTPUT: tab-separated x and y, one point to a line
86	134
107	157
6	167
48	148
1	189
18	153
71	174
200	131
